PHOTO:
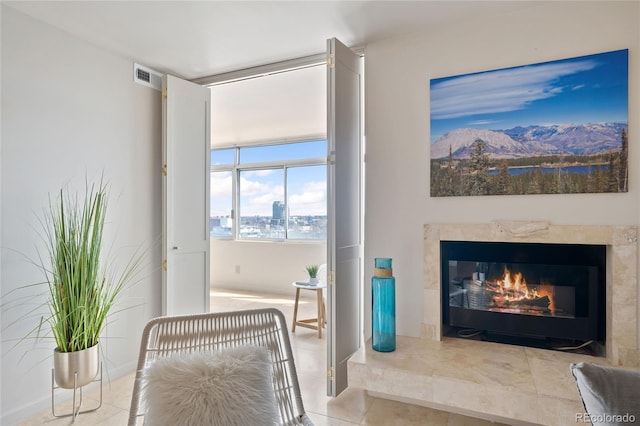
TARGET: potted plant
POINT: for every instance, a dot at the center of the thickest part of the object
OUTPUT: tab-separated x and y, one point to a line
312	270
81	289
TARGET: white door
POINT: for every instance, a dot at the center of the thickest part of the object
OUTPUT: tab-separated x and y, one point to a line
344	236
185	195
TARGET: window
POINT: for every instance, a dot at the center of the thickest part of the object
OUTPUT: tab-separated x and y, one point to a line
221	216
221	220
277	192
307	196
262	203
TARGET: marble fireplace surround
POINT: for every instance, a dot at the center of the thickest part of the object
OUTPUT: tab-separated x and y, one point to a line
622	280
504	383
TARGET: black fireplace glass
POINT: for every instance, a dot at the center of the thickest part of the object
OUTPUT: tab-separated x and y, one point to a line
527	289
516	288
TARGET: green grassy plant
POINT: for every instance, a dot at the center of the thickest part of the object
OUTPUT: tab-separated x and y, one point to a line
81	292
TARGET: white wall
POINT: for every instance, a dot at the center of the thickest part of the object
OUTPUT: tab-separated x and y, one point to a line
70	110
1	239
263	266
397	130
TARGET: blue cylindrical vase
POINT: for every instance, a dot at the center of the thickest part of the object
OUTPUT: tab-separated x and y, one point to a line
383	308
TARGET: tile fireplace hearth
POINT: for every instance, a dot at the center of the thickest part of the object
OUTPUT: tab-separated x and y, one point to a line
504	383
498	381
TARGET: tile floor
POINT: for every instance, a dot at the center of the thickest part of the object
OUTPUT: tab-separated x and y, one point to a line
352	407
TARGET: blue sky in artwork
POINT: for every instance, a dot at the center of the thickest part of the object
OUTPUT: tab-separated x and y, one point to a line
586	89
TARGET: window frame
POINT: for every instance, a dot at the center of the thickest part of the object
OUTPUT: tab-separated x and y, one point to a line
237	168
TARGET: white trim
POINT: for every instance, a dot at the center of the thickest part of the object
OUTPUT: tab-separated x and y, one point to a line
271	141
267	69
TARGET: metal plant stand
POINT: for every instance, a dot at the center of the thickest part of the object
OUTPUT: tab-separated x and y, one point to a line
74	410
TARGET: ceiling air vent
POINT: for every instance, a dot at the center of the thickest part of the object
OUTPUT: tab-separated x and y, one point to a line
143	75
147	76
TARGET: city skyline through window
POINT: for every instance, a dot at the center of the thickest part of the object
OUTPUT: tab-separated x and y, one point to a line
281	191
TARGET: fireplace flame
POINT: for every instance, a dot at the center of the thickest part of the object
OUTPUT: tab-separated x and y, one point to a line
511	291
513	285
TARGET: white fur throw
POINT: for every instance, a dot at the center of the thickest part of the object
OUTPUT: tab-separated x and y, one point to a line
230	387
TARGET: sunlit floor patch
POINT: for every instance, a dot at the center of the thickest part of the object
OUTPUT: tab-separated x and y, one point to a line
271	301
218	293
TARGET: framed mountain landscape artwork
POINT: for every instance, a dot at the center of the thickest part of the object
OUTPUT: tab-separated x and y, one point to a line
548	128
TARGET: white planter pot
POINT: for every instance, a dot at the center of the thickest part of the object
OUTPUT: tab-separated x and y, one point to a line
66	364
313	281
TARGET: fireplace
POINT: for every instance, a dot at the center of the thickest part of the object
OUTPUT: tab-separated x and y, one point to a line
535	294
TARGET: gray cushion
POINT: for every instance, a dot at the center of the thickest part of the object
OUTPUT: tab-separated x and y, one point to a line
611	395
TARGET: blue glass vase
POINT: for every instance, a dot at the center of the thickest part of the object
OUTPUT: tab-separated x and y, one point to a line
383	309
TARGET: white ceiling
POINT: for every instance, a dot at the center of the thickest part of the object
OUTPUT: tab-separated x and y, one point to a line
194	39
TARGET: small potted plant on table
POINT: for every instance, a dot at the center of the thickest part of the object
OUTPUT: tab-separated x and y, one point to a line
312	270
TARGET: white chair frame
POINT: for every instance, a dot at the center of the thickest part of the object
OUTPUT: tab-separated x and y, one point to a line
165	336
